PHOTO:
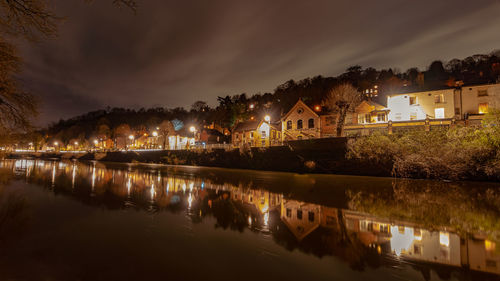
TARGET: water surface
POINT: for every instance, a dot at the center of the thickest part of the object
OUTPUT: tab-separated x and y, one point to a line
95	221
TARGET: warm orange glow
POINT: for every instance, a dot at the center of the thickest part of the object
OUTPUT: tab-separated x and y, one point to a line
483	108
317	108
267	118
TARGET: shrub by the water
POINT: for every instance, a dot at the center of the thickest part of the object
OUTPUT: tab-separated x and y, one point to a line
455	153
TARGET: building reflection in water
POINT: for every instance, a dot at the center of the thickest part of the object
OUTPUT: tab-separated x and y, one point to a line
314	228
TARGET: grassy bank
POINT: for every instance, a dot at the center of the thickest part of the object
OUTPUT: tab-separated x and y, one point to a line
457	153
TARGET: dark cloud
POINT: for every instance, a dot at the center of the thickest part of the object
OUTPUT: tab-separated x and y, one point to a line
173	53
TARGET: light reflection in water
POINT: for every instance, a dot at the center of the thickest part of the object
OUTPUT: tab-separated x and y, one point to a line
263	210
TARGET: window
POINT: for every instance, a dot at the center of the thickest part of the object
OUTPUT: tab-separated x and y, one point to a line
368	118
288	212
413	100
439	113
310	123
439	98
310	216
236	136
417	249
457	111
251	135
381	117
289	124
263	134
299	214
331	220
482	93
413	115
361	119
483	108
299	124
299	137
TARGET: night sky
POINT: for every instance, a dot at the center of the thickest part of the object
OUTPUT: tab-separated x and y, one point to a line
172	53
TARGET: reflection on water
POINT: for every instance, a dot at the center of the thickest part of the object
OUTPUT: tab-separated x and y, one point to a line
362	228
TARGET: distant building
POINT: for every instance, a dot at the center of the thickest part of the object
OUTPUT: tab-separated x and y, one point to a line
303	122
464	104
256	134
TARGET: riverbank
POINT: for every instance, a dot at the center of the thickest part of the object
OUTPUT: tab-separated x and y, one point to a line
323	156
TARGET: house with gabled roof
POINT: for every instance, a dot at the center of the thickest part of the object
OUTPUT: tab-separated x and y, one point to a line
254	133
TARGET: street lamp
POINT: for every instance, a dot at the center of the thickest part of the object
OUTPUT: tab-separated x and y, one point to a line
267	118
155	134
131	138
193	130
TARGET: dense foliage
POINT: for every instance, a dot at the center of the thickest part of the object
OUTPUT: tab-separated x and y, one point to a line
455	153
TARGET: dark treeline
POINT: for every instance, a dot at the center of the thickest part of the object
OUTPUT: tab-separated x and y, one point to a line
476	69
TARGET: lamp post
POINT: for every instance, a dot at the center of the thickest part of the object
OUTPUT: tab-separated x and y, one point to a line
155	135
267	118
96	142
131	138
193	130
76	145
56	145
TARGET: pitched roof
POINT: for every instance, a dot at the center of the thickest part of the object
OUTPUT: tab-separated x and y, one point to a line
246	126
299	103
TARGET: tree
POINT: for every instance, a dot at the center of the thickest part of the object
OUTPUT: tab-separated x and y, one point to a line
342	98
17	107
199	106
30	19
166	129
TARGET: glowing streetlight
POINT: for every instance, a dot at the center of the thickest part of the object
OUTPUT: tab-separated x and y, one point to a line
76	143
317	108
267	118
155	134
96	142
131	137
251	106
192	129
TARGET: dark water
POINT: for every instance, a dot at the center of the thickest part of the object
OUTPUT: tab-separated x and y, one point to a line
95	221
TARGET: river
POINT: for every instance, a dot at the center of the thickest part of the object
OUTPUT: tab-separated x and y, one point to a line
70	220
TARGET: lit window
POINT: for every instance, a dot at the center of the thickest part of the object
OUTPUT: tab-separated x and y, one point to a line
264	134
413	100
444	239
489	246
439	98
381	117
413	115
368	118
483	108
439	113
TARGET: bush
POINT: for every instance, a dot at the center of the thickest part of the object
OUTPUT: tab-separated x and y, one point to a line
456	153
